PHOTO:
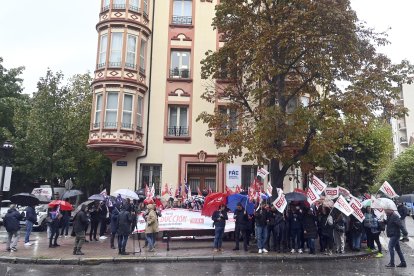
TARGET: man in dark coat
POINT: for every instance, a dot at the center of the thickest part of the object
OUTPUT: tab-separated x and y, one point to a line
124	229
12	225
242	221
394	228
31	218
114	225
94	216
80	223
310	230
403	211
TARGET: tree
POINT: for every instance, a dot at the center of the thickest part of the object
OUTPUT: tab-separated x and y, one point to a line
399	173
370	151
285	62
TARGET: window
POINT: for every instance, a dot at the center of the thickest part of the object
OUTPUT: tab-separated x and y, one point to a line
151	174
103	44
131	50
118	4
127	112
134	5
180	64
139	113
98	111
116	50
177	121
142	52
230	114
111	110
248	175
145	7
105	5
182	12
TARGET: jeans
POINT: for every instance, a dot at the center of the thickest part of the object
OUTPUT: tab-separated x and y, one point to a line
151	240
395	243
65	227
261	236
356	240
12	239
29	228
94	229
54	234
122	241
405	227
339	239
311	245
218	237
296	235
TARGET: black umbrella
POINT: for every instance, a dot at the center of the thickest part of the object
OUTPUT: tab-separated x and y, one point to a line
97	197
71	193
294	196
140	192
24	199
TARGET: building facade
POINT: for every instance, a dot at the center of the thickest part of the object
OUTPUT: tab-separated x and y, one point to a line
403	128
146	97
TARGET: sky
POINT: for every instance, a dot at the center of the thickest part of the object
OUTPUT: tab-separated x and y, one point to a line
61	34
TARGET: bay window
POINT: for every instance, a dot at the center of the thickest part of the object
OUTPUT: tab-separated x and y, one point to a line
139	113
127	112
111	114
98	111
131	50
103	44
116	50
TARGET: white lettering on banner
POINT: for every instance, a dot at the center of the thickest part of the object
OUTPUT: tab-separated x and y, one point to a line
388	190
343	206
183	219
331	192
280	202
312	195
357	211
318	185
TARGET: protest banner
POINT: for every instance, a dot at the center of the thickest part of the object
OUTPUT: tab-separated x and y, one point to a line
357	210
331	193
343	191
343	206
356	201
312	195
388	190
280	203
317	185
262	173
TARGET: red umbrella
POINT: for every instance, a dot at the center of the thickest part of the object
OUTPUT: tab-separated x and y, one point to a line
64	205
212	202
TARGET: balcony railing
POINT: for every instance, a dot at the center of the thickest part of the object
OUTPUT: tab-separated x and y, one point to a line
126	125
180	73
145	14
114	64
96	125
100	65
182	20
118	6
178	131
105	8
110	124
142	70
130	65
134	8
139	129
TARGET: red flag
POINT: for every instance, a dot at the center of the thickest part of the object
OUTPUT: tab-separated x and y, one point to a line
165	191
212	202
158	204
228	191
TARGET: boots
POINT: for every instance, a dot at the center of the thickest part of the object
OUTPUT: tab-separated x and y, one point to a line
79	252
75	250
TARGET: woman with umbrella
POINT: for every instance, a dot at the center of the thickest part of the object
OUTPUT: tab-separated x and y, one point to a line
54	220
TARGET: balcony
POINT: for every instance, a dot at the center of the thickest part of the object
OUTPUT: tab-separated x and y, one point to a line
110	124
118	6
182	20
178	131
179	73
133	8
130	65
114	64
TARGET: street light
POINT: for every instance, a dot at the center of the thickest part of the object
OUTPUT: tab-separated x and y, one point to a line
6	148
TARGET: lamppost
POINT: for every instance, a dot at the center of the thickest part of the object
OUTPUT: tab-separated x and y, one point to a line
6	148
349	151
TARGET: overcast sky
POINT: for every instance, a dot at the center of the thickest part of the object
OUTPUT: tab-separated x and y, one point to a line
61	35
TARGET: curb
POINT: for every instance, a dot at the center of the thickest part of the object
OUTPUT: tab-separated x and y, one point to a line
169	259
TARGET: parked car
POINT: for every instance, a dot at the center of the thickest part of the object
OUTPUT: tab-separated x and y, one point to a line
5	205
408	200
41	212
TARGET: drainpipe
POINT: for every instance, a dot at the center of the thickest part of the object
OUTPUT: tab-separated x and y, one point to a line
149	100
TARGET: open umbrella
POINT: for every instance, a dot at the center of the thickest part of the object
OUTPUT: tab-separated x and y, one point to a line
212	202
126	193
140	192
43	198
64	205
367	202
88	202
295	196
24	199
98	197
384	203
71	193
234	199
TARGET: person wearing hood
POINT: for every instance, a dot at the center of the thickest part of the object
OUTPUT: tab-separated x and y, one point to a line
124	229
114	225
80	223
151	228
12	224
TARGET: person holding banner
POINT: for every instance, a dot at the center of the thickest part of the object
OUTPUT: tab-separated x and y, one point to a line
260	216
219	217
394	227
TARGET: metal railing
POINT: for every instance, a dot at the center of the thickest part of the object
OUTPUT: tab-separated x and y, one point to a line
105	8
178	131
182	20
126	125
118	6
134	8
180	73
130	65
96	125
139	129
114	64
110	124
100	65
142	70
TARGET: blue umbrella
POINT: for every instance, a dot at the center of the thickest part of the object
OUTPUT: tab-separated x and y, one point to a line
233	199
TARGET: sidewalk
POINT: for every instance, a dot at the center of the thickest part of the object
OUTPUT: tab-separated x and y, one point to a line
180	250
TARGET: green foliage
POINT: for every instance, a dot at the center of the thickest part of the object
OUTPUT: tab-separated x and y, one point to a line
400	173
276	54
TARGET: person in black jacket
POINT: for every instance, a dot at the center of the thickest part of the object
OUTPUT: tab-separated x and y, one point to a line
295	225
31	218
114	225
403	211
394	227
80	223
260	217
103	217
124	229
242	220
219	217
94	215
310	229
12	225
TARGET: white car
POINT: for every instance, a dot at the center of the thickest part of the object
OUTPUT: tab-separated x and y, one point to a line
41	212
5	205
